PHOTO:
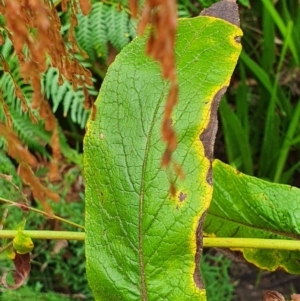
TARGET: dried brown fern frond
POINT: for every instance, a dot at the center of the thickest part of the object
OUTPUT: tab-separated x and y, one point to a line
15	147
39	191
27	161
162	15
34	28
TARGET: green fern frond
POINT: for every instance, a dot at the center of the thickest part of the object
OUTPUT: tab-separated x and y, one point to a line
99	29
71	154
113	28
8	187
7	49
6	166
107	22
7	86
32	135
8	90
36	137
83	36
91	32
50	86
133	23
65	94
118	28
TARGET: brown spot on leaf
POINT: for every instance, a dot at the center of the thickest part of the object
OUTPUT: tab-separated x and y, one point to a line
93	112
182	196
238	39
178	170
225	9
208	136
172	189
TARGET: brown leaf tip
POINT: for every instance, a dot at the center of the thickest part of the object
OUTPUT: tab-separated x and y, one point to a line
225	9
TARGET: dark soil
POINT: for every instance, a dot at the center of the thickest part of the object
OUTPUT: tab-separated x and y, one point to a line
251	282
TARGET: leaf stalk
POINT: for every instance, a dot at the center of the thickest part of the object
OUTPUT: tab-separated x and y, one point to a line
208	242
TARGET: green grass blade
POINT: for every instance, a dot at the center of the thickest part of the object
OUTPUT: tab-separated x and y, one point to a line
271	132
268	42
281	26
241	102
284	150
260	73
236	139
287	175
290	13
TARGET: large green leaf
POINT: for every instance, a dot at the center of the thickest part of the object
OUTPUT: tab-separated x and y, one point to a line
141	243
248	207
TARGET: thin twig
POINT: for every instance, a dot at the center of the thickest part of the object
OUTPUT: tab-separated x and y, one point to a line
6	247
23	206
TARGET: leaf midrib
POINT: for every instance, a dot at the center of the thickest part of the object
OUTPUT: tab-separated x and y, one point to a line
141	195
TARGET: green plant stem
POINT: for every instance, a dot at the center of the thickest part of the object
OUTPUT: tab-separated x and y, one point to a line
208	242
252	243
51	216
44	234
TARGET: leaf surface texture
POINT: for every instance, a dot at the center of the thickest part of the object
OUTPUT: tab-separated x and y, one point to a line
247	207
141	242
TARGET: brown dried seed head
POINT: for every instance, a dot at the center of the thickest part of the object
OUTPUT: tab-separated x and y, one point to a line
133	6
15	147
85	6
162	14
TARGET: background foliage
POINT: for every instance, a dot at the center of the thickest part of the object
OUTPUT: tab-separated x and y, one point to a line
259	116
